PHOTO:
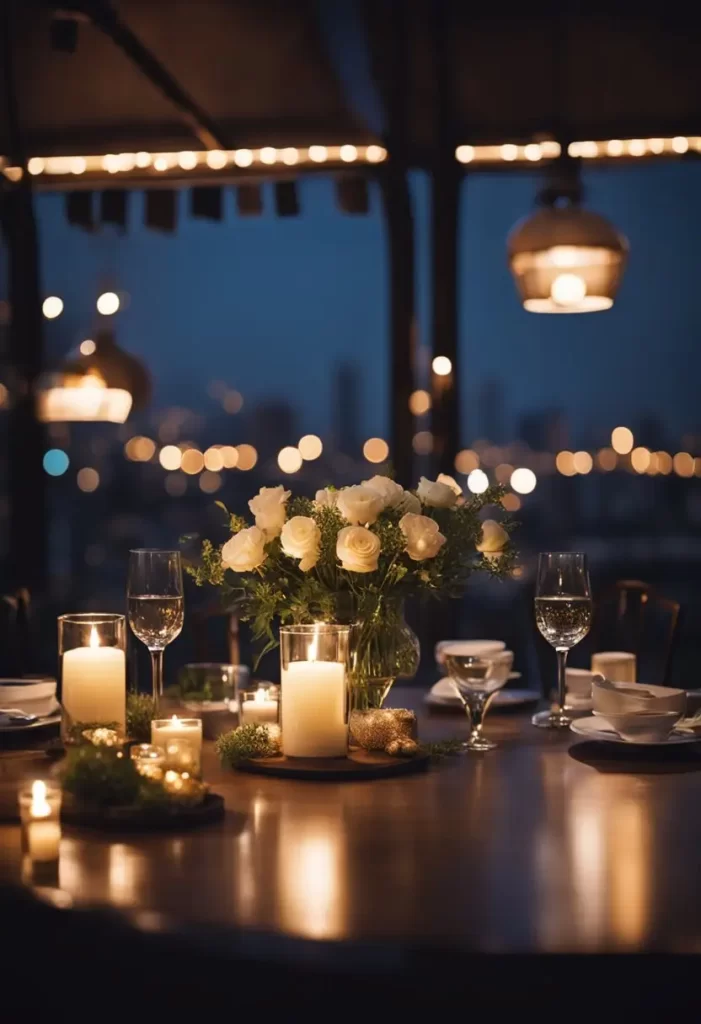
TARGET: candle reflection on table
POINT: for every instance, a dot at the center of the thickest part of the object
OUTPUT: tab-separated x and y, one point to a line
312	875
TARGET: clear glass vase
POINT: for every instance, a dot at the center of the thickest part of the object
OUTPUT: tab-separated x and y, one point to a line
385	648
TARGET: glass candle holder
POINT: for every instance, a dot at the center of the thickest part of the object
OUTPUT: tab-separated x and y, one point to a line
149	761
181	739
39	811
260	706
91	649
314	663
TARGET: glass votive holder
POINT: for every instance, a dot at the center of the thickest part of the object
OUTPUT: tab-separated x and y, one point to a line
40	811
211	683
149	761
314	662
259	706
181	739
91	648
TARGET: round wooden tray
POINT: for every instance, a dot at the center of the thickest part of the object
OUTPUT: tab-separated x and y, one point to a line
359	765
121	819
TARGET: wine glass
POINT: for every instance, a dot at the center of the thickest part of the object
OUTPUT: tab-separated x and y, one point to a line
156	606
563	614
476	679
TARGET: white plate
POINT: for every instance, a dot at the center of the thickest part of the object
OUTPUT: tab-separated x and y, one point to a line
591	729
40	722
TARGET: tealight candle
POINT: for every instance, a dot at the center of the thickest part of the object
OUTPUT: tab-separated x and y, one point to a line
39	811
181	739
258	707
149	761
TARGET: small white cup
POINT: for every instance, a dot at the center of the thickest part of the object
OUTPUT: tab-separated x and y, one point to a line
578	681
616	666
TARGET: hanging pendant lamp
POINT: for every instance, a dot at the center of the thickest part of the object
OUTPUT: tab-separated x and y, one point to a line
566	259
102	386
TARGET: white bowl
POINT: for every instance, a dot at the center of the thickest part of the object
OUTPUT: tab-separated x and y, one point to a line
642	726
622	698
467	647
578	681
33	696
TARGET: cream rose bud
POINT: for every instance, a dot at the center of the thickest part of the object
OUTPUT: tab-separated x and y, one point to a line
358	549
423	538
494	539
326	496
300	538
394	494
449	481
268	507
245	551
360	504
436	494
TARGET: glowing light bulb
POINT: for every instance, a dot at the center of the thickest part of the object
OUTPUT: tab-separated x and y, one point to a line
52	307
465	154
108	303
477	481
442	366
94	638
568	289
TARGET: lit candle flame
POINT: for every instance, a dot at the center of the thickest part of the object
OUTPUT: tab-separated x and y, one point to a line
175	720
40	806
314	648
94	638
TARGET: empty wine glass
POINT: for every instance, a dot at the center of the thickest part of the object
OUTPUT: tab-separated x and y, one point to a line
563	615
476	679
156	606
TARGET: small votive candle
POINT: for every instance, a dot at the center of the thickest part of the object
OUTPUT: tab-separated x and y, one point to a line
149	761
259	707
40	808
181	739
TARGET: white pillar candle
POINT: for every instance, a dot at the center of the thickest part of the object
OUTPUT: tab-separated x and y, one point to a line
181	738
94	683
43	827
259	710
314	709
616	666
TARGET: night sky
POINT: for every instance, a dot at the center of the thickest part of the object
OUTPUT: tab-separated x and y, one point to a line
273	305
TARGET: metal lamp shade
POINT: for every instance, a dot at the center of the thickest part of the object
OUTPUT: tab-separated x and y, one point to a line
566	260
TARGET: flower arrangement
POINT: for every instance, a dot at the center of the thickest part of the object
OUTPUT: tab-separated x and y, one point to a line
354	555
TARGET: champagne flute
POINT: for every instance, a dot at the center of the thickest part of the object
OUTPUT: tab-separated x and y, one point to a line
563	615
156	606
476	679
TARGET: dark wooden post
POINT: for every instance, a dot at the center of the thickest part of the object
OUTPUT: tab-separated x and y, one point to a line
400	234
27	535
445	209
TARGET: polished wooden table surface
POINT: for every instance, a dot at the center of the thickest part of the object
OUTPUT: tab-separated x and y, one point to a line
522	849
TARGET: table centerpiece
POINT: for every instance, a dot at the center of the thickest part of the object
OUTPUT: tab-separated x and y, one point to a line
353	556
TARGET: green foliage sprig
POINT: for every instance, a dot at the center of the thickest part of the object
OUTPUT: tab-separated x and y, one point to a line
141	710
244	743
101	777
442	748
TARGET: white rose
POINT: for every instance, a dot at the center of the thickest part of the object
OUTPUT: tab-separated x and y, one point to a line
360	504
494	540
436	494
326	496
300	538
245	551
409	503
358	549
393	494
449	481
268	507
423	538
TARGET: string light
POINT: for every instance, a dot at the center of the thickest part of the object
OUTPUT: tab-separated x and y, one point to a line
523	480
108	303
88	479
640	460
52	307
622	440
87	347
289	459
192	462
564	463
477	481
310	447
422	442
375	449
248	457
170	457
466	461
582	463
419	403
210	482
188	160
213	460
442	366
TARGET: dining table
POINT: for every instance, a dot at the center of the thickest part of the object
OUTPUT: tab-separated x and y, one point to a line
546	844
